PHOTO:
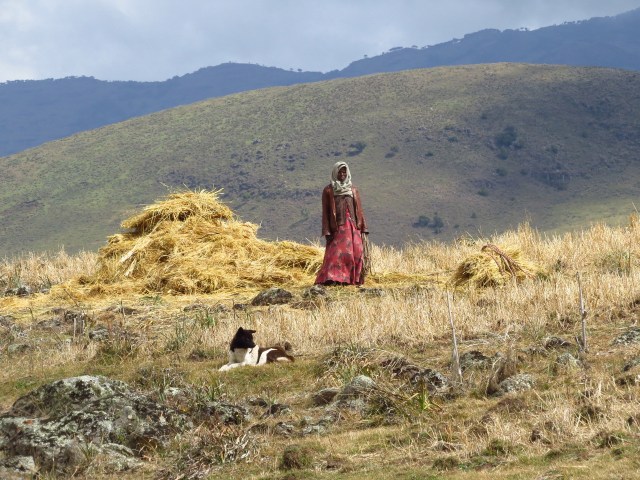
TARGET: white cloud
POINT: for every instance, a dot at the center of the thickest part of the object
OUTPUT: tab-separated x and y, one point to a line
157	39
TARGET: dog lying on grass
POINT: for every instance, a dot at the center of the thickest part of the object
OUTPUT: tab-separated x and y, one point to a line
244	351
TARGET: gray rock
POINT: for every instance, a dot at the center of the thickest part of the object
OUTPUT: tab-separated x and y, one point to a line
119	458
632	335
324	396
20	464
19	291
434	381
276	409
555	342
315	291
16	348
631	364
516	383
474	359
59	422
227	413
99	334
360	386
272	296
284	429
314	430
568	360
355	395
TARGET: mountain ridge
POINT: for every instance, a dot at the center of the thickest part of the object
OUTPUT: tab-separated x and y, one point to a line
37	111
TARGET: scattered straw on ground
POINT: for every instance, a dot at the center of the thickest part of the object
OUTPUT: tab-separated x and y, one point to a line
191	243
493	266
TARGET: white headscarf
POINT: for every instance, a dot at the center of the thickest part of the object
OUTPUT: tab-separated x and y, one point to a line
339	188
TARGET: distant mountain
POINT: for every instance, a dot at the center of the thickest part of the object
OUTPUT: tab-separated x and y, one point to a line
436	152
603	42
35	112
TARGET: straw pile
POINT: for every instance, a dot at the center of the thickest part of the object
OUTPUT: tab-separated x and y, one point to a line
493	267
191	243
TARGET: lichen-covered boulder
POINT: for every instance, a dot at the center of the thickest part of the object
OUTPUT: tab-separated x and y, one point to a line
631	336
516	383
59	423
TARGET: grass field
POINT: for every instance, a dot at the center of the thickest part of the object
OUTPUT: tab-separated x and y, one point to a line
581	419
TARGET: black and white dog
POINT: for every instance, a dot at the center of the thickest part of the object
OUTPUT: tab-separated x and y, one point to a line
244	351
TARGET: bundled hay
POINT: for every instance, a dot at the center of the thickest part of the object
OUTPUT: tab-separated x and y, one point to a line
494	267
191	243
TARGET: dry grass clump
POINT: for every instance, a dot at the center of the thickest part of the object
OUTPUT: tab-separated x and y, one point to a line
493	267
42	270
192	243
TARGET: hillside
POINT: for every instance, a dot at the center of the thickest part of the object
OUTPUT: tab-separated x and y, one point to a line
482	146
35	112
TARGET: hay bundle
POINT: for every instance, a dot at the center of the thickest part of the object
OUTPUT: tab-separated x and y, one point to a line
493	267
192	243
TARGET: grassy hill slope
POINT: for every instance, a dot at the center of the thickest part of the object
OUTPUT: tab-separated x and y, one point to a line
483	146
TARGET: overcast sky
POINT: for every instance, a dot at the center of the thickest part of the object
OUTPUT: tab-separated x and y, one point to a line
158	39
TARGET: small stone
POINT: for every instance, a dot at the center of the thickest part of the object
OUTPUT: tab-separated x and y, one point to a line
555	342
16	348
282	428
272	296
258	402
324	396
315	291
516	383
227	413
99	334
21	464
474	359
358	387
632	335
20	291
631	364
568	360
314	430
434	381
277	409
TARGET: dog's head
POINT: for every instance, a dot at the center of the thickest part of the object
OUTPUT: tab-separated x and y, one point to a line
243	339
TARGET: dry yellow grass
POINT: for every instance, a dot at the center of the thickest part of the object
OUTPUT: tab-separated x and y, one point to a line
573	413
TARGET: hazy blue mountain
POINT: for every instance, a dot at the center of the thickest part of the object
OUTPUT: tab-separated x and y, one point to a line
603	42
38	111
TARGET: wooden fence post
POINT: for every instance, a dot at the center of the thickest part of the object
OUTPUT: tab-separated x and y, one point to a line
455	363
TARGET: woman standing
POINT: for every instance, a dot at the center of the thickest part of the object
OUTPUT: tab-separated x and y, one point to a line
343	224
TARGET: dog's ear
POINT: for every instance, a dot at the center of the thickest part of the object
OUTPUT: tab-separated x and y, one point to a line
250	331
240	330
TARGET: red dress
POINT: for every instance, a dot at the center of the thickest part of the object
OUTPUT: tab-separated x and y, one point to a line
343	256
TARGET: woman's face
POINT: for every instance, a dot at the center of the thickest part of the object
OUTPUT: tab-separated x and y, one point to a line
342	174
